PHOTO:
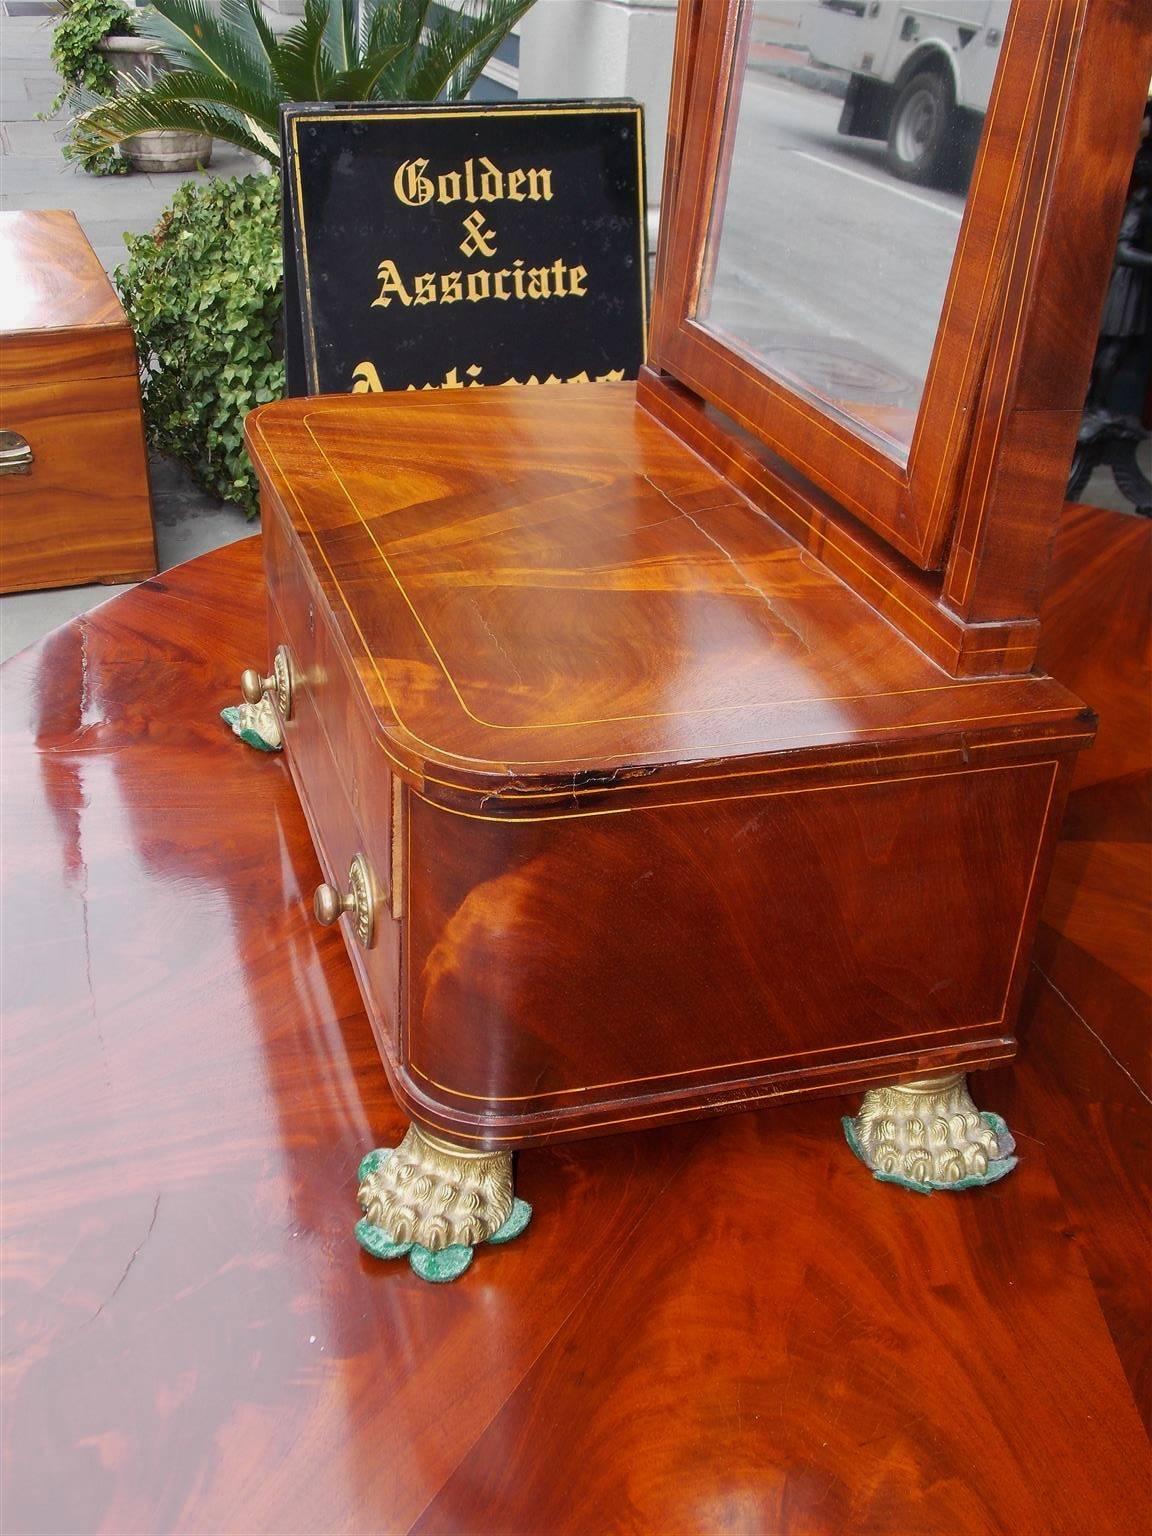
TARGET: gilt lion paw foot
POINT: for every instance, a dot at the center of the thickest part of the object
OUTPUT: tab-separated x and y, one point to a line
435	1203
929	1135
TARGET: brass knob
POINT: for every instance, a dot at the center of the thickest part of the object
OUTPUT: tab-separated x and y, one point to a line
253	686
359	901
330	904
278	683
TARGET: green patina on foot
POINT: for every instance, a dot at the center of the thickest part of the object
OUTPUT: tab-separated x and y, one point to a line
371	1162
997	1169
378	1243
447	1264
239	717
518	1218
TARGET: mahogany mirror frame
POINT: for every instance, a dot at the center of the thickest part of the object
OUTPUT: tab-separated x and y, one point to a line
1002	351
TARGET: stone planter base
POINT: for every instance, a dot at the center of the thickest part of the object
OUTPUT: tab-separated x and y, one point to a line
167	149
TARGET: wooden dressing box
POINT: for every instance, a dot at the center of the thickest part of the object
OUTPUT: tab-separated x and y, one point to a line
675	748
662	817
74	499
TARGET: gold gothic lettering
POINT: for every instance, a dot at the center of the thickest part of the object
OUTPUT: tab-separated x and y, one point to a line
480	240
366	381
516	281
477	181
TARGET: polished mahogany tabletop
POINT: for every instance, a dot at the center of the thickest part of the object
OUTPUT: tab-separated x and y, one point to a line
726	1326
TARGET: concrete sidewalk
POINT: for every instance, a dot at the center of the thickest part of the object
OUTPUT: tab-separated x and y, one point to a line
34	174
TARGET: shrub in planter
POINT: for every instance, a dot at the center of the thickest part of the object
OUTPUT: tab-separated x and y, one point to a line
83	69
203	294
135	61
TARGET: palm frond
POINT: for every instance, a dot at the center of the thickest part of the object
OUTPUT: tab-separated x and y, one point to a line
342	34
231	71
301	63
397	21
400	23
254	21
197	86
457	47
361	82
488	31
196	37
138	111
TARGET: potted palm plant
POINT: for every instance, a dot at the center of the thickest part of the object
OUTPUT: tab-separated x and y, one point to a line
230	71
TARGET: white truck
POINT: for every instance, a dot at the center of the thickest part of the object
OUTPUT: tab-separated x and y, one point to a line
919	76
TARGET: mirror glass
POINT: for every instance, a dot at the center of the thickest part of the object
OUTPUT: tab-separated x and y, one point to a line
850	136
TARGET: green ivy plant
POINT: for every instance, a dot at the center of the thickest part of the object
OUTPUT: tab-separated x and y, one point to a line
82	68
203	294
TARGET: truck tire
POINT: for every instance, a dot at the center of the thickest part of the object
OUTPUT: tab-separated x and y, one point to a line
921	138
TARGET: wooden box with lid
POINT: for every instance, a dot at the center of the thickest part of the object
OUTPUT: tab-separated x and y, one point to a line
74	498
675	748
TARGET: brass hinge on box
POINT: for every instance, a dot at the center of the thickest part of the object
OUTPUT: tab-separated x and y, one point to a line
16	457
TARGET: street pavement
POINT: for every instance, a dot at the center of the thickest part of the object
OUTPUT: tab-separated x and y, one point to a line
828	267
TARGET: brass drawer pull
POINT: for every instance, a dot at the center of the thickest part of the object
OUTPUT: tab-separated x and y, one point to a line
278	683
16	455
359	901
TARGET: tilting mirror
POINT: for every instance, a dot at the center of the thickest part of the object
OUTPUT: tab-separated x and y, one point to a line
850	135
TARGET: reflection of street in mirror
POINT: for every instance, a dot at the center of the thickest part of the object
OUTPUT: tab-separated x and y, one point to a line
835	224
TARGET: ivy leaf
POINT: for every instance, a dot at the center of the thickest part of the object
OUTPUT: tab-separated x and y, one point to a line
203	294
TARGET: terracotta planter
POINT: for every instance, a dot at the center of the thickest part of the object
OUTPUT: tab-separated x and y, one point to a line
137	61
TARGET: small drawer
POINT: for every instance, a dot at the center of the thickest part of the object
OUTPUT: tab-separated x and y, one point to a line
327	672
340	834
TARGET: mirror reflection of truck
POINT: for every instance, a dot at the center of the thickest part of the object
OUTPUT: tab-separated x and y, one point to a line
920	77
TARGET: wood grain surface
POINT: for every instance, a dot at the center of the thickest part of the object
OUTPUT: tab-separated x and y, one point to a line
1099	909
741	952
59	313
910	599
720	1326
69	387
541	590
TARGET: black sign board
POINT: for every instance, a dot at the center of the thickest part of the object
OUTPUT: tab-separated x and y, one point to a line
436	247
